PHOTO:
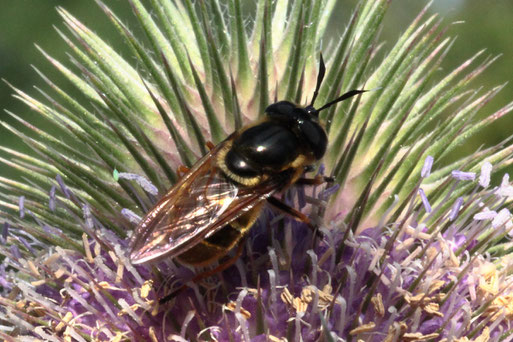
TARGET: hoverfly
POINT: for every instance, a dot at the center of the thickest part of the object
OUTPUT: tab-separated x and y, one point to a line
207	212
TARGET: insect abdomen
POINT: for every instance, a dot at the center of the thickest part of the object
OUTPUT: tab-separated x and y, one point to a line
221	242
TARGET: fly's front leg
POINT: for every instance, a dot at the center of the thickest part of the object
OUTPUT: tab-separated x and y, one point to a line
295	214
317	180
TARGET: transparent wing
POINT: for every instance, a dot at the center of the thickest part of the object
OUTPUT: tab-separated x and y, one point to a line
199	205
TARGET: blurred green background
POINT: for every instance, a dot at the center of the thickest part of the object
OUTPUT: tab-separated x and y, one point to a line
477	24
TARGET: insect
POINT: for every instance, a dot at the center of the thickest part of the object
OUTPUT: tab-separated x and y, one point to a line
212	207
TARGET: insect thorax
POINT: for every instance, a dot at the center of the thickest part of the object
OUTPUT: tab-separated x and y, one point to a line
289	138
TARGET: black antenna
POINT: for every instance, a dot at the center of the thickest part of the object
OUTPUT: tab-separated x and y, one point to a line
320	77
343	97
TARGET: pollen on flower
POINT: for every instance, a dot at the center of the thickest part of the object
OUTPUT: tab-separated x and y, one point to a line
146	288
377	302
323	297
425	302
395	331
411	337
364	328
502	306
128	310
232	306
64	322
488	280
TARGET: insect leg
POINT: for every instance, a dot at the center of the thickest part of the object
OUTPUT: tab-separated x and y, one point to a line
290	211
317	180
210	145
294	214
220	268
182	170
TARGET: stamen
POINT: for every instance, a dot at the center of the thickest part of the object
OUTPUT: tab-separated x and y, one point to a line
240	298
87	248
460	175
484	177
100	263
502	217
232	306
88	217
153	335
368	327
272	284
313	256
505	190
131	216
485	215
299	315
199	297
76	296
127	309
15	252
63	187
343	307
352	282
425	201
455	209
5	233
142	181
322	169
240	316
21	205
315	303
107	306
185	324
121	253
27	245
146	288
325	194
51	202
274	263
426	169
213	331
377	302
65	320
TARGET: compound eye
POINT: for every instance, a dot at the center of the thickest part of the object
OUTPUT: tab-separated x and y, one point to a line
280	109
315	137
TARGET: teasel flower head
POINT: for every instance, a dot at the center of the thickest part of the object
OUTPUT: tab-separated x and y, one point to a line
410	248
